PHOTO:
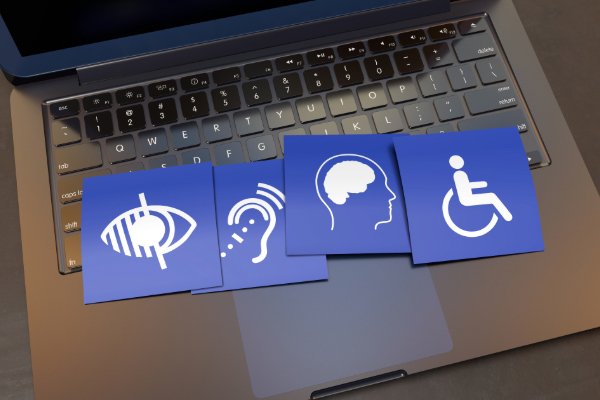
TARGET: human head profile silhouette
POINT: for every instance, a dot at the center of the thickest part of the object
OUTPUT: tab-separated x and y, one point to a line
355	179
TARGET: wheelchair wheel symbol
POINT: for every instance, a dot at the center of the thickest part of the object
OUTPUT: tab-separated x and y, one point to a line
460	231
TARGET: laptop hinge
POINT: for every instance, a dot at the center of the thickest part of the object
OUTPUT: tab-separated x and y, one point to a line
390	376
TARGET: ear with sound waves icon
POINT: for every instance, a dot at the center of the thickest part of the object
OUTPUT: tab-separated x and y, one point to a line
146	231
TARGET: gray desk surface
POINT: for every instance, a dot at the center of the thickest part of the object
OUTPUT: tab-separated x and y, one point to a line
565	36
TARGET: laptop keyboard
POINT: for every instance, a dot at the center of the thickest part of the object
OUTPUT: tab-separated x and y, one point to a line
441	78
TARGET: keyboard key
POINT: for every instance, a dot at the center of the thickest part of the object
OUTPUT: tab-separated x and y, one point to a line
70	188
216	129
70	218
318	57
227	75
412	38
474	47
348	73
438	55
194	82
194	105
293	132
122	168
351	50
130	95
66	131
64	108
499	120
257	92
341	102
120	149
432	83
258	69
470	26
185	135
162	112
280	115
408	61
98	125
229	153
131	118
326	128
287	86
440	129
388	121
162	162
419	114
261	148
310	109
461	77
371	96
97	102
78	157
534	157
226	99
379	67
402	90
379	45
289	63
195	156
356	125
318	80
441	32
490	99
161	89
73	251
491	71
449	108
248	122
153	142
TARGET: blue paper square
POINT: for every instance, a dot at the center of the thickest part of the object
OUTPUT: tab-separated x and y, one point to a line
251	223
344	195
493	212
175	232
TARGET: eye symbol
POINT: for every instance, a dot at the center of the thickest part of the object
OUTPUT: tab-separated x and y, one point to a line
146	231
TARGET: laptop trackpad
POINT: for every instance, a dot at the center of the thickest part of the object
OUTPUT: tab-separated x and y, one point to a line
373	312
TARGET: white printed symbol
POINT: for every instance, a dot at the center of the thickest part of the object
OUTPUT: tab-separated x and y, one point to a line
129	113
129	95
464	190
147	231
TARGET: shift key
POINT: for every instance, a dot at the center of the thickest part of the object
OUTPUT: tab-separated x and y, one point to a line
76	158
491	99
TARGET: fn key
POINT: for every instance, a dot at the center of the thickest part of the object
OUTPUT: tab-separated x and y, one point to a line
73	251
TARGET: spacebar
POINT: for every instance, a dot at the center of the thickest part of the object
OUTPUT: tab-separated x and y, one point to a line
499	120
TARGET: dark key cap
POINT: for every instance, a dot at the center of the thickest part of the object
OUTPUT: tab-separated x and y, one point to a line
153	142
474	47
195	156
194	82
97	102
432	83
73	251
289	63
440	129
441	32
257	92
408	61
122	168
185	135
491	71
248	122
402	90
64	108
310	109
388	121
318	80
70	218
534	157
351	50
227	75
293	132
261	148
449	108
438	55
318	57
98	125
379	67
412	38
130	95
78	157
131	118
499	120
491	99
70	188
379	45
162	112
348	73
226	99
162	162
120	149
216	129
358	125
258	69
66	131
341	102
471	26
161	89
461	77
326	128
419	114
194	105
229	153
280	115
371	96
287	86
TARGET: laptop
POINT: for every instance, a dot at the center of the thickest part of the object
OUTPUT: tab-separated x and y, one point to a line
99	79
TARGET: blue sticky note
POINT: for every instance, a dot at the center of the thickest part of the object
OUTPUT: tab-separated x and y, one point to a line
468	195
149	232
344	195
251	221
